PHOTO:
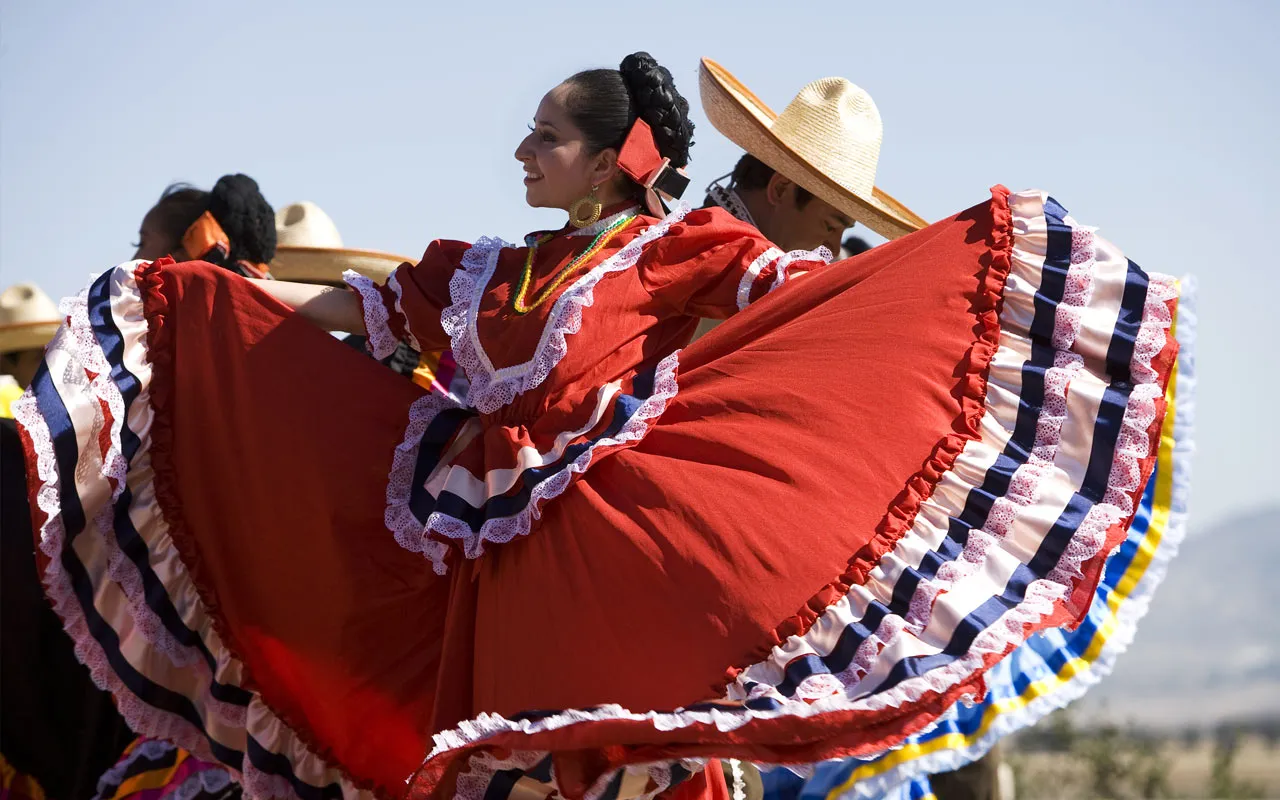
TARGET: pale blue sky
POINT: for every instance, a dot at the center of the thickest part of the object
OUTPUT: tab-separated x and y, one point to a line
1155	121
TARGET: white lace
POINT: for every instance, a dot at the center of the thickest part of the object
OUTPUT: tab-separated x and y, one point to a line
416	537
474	780
380	340
1130	612
1133	445
492	388
394	284
1038	602
818	255
148	749
71	346
728	198
114	469
781	263
399	518
739	787
1023	493
206	781
749	277
139	715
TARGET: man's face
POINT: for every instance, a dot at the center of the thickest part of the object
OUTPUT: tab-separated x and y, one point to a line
793	224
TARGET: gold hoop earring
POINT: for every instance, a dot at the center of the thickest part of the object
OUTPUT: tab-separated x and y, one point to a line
577	217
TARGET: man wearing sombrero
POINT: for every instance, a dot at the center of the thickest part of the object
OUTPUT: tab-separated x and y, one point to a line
807	176
815	163
809	173
28	320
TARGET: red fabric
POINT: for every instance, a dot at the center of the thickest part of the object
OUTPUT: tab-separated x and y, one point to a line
784	456
638	316
281	570
639	156
750	504
706	785
692	271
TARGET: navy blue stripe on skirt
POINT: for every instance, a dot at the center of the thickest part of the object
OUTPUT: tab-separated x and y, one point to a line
437	438
995	482
1097	476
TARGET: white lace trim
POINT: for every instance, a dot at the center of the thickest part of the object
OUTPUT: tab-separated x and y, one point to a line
739	788
148	749
1132	447
74	353
1038	602
139	715
781	263
492	388
474	781
820	256
416	537
77	338
400	520
749	277
394	284
113	468
207	781
1130	612
380	341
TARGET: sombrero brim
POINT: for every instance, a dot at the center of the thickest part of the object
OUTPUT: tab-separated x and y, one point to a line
26	336
326	264
747	122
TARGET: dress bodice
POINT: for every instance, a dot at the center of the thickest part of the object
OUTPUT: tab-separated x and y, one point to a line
582	373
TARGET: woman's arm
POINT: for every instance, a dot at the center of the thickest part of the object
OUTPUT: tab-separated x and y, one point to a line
327	307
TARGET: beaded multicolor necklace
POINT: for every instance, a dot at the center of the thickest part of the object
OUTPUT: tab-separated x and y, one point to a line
597	244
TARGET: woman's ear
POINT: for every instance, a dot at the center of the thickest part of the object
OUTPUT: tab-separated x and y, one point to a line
604	167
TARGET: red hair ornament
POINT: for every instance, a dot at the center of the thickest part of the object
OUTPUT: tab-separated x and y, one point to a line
640	160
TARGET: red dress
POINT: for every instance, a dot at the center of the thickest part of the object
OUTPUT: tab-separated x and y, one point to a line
803	537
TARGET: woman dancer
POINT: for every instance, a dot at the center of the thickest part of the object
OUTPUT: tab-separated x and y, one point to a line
618	560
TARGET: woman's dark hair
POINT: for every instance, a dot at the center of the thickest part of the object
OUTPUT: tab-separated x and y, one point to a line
238	206
180	205
604	103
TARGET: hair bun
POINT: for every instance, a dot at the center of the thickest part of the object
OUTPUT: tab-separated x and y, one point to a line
653	92
246	216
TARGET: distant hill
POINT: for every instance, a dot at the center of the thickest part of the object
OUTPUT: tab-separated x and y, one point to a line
1209	649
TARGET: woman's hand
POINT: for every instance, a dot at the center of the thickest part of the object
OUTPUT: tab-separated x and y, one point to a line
328	307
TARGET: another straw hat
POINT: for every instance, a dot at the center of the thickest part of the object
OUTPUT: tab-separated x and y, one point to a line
827	140
28	318
309	249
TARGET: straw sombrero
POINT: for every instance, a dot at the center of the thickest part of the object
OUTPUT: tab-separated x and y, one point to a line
827	140
309	249
28	318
